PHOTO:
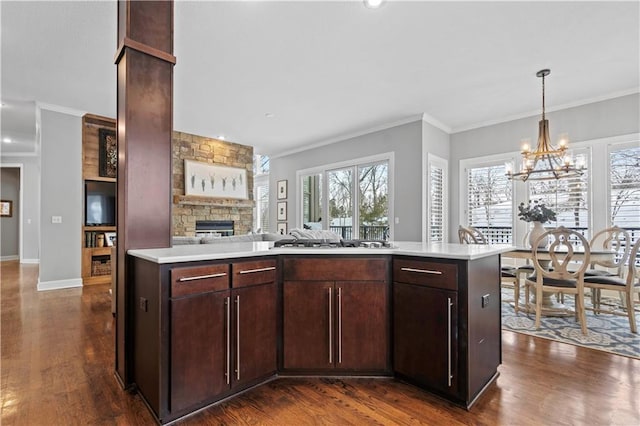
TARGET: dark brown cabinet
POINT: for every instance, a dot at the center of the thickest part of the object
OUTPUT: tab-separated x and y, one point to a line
436	345
335	315
425	331
221	325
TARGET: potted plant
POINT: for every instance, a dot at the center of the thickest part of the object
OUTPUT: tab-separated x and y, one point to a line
538	213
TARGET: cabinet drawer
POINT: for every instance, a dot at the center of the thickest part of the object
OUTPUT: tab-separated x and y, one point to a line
253	273
199	279
332	269
432	274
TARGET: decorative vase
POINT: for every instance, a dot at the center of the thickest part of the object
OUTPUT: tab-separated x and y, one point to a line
537	230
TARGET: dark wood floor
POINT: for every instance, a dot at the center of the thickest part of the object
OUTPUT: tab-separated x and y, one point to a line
57	369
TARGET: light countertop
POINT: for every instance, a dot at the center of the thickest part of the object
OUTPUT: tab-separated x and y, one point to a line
198	252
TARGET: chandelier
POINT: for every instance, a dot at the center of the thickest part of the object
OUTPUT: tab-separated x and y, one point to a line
546	162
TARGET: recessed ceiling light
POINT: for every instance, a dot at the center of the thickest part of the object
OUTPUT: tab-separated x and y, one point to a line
373	4
269	115
6	140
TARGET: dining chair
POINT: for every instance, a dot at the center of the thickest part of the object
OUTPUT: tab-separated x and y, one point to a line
508	275
617	240
470	235
554	275
629	286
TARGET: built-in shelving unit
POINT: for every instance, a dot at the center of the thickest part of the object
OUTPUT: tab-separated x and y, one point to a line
97	261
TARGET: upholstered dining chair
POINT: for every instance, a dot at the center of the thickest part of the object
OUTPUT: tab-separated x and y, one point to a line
629	286
555	276
508	275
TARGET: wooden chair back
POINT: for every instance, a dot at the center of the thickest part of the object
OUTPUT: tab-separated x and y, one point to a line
616	239
562	254
470	235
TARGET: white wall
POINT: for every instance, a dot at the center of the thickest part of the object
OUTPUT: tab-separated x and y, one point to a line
404	140
618	116
61	188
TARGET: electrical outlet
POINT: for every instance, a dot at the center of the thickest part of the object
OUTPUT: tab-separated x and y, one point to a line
485	300
56	219
144	304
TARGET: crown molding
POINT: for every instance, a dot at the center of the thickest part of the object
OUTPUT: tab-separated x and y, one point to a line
548	109
347	136
435	122
59	108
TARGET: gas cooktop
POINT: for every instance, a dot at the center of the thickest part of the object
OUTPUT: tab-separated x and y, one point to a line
306	243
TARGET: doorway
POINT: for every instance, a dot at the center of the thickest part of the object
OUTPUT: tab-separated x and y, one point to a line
11	219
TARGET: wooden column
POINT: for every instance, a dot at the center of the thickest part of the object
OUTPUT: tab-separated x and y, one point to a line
145	101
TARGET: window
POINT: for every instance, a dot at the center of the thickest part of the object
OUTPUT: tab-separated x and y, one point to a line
261	193
436	221
489	204
568	197
357	198
624	188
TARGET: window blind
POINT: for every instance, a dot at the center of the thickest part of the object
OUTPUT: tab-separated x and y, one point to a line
568	197
436	204
624	189
490	202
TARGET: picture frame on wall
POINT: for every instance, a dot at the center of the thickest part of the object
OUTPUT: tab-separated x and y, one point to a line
208	180
282	189
6	208
282	228
282	210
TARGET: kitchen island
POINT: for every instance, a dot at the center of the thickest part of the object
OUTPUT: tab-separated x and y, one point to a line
210	321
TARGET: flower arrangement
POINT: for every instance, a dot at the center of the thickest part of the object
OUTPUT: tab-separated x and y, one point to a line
536	212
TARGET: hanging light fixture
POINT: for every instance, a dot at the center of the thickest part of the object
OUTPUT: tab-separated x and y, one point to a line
546	162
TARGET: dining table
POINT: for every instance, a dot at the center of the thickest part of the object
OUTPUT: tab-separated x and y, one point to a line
551	307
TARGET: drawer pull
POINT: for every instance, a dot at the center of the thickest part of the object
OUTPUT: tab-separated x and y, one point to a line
253	271
202	277
422	271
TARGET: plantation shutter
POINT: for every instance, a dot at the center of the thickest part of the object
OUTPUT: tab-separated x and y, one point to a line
262	207
624	189
490	203
568	197
437	213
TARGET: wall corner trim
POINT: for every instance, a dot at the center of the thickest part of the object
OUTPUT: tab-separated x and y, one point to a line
59	284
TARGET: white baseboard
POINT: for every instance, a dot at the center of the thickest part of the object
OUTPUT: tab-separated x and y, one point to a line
34	261
59	284
5	258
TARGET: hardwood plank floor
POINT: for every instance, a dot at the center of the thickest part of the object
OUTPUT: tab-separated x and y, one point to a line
57	369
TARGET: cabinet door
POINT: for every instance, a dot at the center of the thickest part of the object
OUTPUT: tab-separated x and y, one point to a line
254	331
362	326
198	349
425	336
308	312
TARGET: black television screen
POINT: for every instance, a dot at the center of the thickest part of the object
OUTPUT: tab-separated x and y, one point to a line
100	203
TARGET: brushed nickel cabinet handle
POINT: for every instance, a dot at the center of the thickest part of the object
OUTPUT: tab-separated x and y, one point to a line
449	375
238	337
253	271
227	373
202	277
339	325
422	271
330	327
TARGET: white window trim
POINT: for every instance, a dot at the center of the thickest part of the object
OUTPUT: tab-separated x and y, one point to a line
434	160
597	165
323	169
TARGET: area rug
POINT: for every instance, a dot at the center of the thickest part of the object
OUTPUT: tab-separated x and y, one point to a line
609	333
